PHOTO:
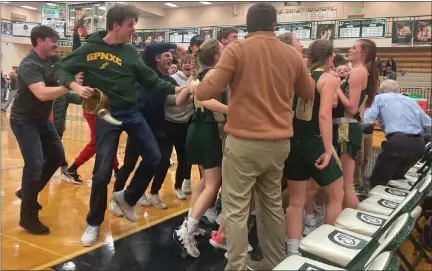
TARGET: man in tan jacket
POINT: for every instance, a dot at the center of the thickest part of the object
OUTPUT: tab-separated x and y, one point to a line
263	74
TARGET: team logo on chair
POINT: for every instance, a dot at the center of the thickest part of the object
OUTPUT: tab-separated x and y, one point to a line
396	192
370	219
346	240
388	203
310	267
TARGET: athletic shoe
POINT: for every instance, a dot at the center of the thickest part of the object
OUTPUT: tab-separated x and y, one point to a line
186	242
187	186
180	194
114	209
127	210
209	217
90	235
143	201
157	202
73	176
219	241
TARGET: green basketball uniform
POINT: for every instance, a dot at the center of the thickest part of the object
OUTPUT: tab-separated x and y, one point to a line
347	133
307	145
203	142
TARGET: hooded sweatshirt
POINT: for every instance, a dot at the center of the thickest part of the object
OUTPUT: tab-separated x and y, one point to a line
174	113
114	69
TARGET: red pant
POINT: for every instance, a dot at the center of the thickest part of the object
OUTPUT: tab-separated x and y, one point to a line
90	149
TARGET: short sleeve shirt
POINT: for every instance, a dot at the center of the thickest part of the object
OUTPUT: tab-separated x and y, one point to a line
26	105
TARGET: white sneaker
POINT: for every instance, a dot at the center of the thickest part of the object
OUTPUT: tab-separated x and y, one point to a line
186	241
114	209
310	224
127	210
157	202
180	194
210	216
143	201
187	186
90	235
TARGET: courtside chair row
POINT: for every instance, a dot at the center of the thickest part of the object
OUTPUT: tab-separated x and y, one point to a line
366	238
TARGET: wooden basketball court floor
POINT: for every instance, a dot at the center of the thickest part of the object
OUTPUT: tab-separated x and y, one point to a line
146	244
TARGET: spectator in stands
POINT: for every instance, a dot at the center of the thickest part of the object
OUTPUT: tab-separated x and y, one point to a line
391	75
5	81
379	66
390	64
403	122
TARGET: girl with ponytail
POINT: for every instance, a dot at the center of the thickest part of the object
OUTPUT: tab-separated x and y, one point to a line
355	94
203	147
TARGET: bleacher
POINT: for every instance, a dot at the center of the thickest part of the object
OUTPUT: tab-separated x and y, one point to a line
413	60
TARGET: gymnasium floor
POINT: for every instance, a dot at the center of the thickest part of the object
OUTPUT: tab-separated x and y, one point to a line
145	245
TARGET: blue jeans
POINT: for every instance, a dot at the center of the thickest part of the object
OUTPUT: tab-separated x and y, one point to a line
43	153
107	139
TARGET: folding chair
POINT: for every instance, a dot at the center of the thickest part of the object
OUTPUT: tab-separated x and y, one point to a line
351	251
384	261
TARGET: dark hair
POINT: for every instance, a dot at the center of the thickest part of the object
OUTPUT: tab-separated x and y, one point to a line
225	32
42	32
339	60
261	17
205	56
319	51
286	38
119	13
369	49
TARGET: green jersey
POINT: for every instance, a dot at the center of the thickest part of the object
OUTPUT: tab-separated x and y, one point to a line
339	111
306	114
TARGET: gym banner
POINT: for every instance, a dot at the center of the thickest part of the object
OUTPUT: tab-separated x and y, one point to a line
365	28
422	32
373	28
6	27
182	35
301	30
157	35
21	29
325	32
349	29
402	32
54	15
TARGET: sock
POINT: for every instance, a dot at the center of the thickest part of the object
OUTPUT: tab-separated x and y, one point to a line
319	209
191	225
292	247
190	212
310	219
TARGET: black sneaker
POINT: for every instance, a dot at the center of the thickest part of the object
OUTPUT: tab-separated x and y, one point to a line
35	227
72	176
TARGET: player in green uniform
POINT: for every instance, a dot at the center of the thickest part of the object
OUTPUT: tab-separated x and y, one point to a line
356	92
203	148
312	154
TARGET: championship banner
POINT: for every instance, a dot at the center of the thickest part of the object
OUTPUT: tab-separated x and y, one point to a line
402	32
423	32
59	26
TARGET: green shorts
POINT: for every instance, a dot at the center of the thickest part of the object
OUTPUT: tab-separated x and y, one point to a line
203	145
347	138
300	165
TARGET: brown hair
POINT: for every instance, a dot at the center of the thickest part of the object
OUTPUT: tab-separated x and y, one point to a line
368	47
225	32
119	13
319	51
286	38
205	56
186	58
261	17
339	60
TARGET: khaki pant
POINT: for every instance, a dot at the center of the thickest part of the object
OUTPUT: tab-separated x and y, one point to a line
363	157
247	165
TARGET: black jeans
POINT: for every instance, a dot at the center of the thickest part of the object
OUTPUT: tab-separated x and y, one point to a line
107	139
131	158
176	135
43	153
398	155
64	164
